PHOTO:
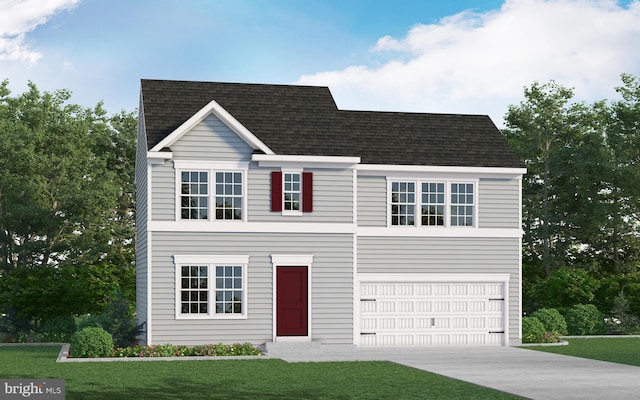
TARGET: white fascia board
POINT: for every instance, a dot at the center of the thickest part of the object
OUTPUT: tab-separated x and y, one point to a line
154	157
377	169
213	108
298	161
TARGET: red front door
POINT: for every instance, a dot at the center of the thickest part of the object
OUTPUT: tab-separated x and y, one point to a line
291	301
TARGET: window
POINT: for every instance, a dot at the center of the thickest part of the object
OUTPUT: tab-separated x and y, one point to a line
229	195
228	289
291	192
194	289
403	196
194	194
433	203
210	191
211	286
461	204
438	203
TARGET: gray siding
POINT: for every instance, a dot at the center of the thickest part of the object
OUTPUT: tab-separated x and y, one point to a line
411	255
499	205
141	223
163	191
372	201
332	197
211	140
498	202
332	286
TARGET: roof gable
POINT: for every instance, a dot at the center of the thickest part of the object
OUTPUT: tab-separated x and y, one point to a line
304	120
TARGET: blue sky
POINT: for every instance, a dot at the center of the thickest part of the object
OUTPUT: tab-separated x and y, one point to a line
460	56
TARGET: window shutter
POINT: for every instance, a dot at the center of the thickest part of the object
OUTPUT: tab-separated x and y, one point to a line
276	191
307	192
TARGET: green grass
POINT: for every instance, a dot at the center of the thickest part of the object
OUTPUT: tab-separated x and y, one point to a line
235	379
617	350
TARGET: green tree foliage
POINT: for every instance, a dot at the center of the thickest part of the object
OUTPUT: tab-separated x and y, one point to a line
66	204
565	287
585	319
581	197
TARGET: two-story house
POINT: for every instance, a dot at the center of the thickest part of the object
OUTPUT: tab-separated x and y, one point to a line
266	214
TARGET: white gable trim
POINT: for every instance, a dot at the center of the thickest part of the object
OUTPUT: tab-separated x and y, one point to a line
216	109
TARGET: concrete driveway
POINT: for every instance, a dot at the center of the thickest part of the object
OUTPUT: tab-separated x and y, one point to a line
527	373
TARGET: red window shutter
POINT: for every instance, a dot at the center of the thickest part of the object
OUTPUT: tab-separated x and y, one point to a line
276	191
307	192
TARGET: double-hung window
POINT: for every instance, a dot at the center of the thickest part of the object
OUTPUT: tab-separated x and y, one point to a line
194	195
432	203
292	192
211	286
210	191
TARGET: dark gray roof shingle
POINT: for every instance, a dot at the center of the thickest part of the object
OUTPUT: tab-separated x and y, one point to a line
304	120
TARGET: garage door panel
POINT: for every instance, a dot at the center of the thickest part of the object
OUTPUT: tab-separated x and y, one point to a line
420	314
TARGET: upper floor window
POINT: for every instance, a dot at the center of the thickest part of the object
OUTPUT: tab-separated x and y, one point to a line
432	203
208	191
292	192
403	198
229	195
462	204
194	195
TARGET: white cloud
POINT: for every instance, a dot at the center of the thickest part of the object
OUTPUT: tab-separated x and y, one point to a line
18	17
479	62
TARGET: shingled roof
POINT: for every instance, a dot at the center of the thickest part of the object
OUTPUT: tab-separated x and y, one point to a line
304	120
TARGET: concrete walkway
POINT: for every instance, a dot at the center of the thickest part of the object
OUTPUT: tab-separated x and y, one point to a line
527	373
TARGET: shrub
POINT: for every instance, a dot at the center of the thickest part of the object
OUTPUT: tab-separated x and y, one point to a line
170	350
91	342
552	320
117	320
532	330
585	319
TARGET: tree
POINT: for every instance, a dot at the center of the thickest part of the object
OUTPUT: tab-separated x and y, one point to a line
542	130
582	189
66	203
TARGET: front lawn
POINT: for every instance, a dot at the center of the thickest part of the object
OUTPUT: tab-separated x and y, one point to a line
235	379
618	350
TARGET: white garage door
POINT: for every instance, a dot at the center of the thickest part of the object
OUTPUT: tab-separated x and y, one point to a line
423	313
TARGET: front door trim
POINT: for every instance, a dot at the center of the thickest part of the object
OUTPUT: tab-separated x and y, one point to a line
292	260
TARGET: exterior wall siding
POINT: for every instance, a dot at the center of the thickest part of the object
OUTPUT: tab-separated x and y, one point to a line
163	192
332	286
141	182
411	255
499	203
211	139
332	197
372	201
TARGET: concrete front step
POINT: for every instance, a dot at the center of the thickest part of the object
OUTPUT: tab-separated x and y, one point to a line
310	348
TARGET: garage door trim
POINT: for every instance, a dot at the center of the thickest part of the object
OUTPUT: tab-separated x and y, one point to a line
428	278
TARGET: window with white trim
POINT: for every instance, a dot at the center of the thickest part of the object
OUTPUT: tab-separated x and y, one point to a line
292	191
211	286
229	195
210	191
194	195
403	198
432	203
462	204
